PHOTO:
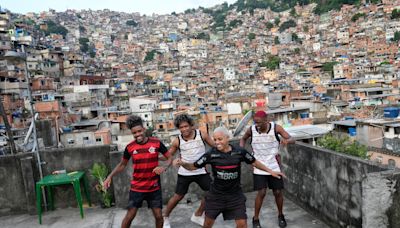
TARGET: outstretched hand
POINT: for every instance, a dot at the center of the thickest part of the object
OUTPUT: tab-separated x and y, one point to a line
177	162
107	183
278	175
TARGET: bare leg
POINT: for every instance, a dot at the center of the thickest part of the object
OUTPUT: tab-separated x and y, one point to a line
258	202
209	222
279	200
158	217
172	204
200	209
241	223
130	215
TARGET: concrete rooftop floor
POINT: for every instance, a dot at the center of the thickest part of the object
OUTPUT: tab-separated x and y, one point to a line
96	217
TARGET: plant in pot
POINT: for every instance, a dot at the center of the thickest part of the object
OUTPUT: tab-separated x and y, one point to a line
100	172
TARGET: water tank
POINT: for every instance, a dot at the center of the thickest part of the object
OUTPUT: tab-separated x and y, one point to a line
274	100
352	131
304	115
348	118
391	112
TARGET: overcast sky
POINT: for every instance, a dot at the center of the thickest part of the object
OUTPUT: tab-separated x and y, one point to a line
143	6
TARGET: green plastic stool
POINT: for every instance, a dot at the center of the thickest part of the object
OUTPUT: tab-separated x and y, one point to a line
50	181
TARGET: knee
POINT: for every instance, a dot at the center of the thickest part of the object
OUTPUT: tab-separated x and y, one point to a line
261	193
179	197
278	193
159	218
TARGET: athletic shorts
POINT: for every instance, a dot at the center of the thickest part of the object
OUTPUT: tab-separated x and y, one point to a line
154	199
232	206
182	185
267	181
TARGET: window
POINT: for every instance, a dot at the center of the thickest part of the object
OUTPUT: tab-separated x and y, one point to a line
392	163
85	138
145	115
161	126
70	141
98	139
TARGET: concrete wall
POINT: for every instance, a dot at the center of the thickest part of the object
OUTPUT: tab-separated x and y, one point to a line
72	159
327	183
380	201
18	175
12	191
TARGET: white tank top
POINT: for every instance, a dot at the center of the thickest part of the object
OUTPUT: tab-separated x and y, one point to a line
190	151
265	147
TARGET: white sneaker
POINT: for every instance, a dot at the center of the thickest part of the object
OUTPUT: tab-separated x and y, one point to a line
166	223
198	219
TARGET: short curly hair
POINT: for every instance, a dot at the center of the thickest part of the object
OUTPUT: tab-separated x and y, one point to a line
133	121
183	118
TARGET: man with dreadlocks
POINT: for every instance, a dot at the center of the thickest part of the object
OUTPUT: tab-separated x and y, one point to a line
191	144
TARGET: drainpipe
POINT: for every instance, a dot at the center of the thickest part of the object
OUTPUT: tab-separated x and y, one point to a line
57	133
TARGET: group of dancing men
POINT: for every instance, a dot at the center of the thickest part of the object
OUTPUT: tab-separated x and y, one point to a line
222	193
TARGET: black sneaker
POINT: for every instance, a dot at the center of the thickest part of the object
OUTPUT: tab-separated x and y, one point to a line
256	223
281	221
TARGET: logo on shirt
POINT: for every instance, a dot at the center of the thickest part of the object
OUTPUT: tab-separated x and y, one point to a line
152	150
227	176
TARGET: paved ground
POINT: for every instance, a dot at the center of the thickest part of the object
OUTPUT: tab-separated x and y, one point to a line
96	217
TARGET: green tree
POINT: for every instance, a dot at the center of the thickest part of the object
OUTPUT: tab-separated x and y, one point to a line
396	37
84	44
395	13
295	38
203	36
305	28
150	55
272	63
297	51
343	144
287	24
251	36
277	21
293	12
276	40
356	16
132	23
52	27
328	66
269	25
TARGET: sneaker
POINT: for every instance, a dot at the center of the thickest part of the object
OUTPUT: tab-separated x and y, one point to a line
166	223
256	223
198	219
281	221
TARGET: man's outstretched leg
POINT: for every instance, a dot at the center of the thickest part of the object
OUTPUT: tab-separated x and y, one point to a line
175	199
130	215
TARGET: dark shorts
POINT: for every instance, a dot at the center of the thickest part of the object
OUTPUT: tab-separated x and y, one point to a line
232	206
182	185
154	199
267	181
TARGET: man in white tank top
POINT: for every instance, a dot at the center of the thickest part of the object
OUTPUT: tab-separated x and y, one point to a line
265	138
191	145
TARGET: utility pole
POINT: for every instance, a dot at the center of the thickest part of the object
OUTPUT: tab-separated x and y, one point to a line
8	128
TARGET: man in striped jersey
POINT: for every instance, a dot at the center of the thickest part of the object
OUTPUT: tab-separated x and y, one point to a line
145	183
191	144
265	138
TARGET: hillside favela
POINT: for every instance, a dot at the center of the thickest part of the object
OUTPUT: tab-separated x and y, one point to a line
247	113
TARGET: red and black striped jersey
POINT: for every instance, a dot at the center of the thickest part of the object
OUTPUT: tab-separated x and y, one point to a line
144	160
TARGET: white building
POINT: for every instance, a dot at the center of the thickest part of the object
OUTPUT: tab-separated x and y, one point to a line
143	106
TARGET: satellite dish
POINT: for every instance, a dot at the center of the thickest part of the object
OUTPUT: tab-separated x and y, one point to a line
243	123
